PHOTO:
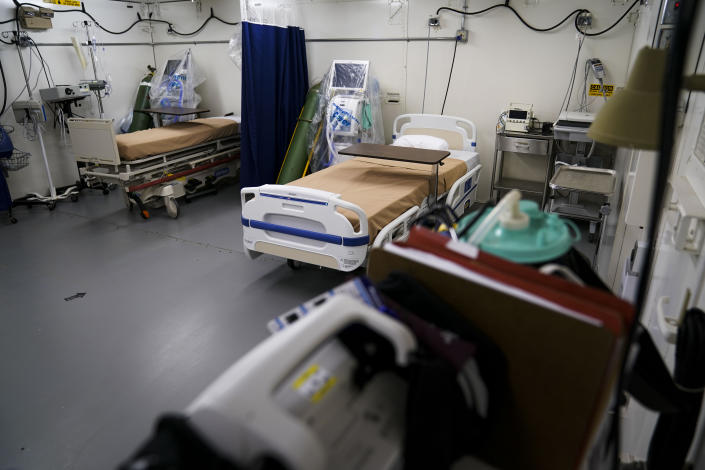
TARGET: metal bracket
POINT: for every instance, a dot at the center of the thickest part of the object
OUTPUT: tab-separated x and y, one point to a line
689	228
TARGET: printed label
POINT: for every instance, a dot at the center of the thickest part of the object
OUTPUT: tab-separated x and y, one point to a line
314	383
221	172
596	90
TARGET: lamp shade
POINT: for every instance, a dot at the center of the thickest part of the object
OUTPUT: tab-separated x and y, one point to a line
632	117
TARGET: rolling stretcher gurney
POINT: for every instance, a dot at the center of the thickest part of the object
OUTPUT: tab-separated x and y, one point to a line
157	166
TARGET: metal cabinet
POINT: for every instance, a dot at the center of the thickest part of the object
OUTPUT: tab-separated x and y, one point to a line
536	150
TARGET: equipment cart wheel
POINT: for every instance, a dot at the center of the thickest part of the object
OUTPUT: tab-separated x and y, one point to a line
13	220
135	200
74	198
293	264
106	191
172	207
52	205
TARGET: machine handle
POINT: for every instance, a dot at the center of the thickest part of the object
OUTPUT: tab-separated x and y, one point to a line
242	398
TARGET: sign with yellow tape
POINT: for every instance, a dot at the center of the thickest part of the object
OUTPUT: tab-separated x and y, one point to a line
596	90
69	3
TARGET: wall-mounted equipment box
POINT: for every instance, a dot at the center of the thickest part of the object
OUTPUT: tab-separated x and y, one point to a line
35	18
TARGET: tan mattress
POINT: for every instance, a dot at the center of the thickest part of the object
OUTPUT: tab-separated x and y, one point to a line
140	144
383	189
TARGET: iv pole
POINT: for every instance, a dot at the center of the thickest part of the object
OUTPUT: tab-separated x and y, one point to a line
91	45
50	200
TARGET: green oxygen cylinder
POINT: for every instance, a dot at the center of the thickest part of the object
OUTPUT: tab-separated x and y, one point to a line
296	158
141	120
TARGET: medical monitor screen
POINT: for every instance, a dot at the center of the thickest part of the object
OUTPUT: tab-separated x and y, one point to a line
517	114
347	75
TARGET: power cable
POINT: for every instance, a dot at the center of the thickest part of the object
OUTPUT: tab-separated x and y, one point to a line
571	82
450	75
425	78
4	89
576	12
613	24
45	66
136	22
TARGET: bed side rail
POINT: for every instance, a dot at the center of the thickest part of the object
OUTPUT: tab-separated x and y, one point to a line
397	228
303	224
463	191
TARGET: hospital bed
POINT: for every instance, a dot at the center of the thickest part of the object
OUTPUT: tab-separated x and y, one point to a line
330	218
157	166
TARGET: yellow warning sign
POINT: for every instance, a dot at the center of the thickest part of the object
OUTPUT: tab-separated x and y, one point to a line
597	90
70	3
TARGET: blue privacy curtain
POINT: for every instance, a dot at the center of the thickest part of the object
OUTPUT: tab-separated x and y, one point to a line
274	86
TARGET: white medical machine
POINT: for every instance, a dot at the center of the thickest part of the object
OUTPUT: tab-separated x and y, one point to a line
294	397
518	117
347	88
573	126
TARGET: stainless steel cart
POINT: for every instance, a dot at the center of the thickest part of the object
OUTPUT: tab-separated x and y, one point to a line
536	150
579	192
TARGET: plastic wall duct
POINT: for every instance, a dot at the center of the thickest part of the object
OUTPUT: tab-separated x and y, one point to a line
296	158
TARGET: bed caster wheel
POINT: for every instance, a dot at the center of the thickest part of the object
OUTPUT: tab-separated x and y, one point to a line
172	207
293	264
106	191
13	220
74	198
51	205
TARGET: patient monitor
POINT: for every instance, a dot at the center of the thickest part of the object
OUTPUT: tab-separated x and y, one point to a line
349	75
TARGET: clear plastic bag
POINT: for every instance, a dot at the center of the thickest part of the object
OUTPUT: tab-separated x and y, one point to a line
235	47
346	115
174	85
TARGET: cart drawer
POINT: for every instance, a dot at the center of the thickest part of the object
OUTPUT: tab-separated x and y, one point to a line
519	145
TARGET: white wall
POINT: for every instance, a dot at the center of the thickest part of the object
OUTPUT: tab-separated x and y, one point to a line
221	90
502	62
126	64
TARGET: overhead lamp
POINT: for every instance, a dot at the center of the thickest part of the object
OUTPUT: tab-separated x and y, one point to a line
632	118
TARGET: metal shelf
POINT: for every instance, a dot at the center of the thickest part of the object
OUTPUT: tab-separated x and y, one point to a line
527	145
536	187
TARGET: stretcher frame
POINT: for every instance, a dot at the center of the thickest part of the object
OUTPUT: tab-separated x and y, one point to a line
155	178
304	224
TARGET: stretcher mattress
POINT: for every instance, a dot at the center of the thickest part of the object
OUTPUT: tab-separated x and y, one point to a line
140	144
382	189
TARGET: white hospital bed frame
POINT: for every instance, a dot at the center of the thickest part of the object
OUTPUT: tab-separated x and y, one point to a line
304	224
154	178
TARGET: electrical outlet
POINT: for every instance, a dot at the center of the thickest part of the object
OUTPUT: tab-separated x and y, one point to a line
12	36
24	110
434	21
461	35
585	19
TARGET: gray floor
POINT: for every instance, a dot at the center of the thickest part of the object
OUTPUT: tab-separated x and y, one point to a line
169	305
